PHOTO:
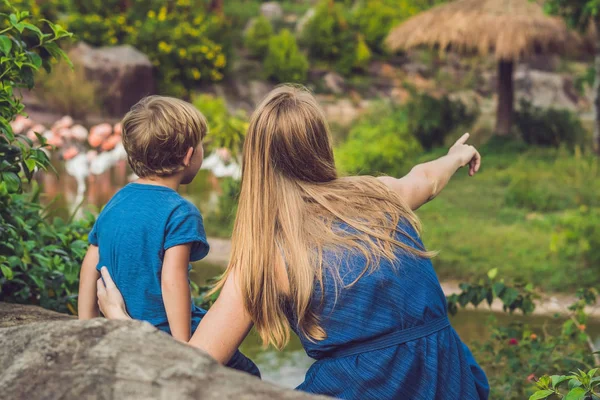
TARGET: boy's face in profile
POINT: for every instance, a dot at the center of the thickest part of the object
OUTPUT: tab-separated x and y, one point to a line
191	170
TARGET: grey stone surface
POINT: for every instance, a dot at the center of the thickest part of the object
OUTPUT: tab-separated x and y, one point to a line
45	355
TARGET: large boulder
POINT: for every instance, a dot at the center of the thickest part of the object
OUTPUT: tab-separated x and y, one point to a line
124	74
546	89
50	356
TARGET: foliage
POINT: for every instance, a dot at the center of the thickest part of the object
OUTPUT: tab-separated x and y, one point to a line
432	119
220	222
379	143
513	353
548	127
284	61
68	91
326	33
517	237
39	260
577	240
19	64
539	184
577	13
514	297
257	36
580	385
186	44
226	129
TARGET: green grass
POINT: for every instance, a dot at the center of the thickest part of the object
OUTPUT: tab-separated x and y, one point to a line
476	225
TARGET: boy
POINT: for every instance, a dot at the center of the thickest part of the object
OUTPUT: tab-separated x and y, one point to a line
147	234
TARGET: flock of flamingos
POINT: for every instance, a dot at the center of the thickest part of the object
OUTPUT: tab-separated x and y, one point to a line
88	153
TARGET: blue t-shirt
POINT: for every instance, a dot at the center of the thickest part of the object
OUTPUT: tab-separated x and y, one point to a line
133	231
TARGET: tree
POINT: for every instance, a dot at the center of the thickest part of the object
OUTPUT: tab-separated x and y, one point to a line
582	15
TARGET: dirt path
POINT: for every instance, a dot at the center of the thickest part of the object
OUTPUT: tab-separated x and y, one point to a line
550	304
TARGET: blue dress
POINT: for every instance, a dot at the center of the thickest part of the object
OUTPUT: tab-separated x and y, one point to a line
388	335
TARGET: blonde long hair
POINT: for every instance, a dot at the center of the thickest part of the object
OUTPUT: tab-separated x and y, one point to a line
290	199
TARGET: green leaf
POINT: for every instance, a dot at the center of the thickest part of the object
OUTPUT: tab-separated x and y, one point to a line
592	372
57	53
12	180
33	29
541	394
492	273
576	394
7	272
558	379
5	44
35	60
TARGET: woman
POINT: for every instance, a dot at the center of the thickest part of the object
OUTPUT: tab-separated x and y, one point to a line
339	261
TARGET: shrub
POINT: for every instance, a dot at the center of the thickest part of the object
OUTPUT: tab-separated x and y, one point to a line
431	119
374	19
379	143
537	185
67	91
186	44
257	37
226	129
39	260
548	127
326	33
220	222
577	238
355	55
284	61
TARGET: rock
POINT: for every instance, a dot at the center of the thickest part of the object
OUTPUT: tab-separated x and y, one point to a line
343	111
545	89
50	356
271	10
258	90
124	74
334	82
383	70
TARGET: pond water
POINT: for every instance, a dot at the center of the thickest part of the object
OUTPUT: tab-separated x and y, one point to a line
285	368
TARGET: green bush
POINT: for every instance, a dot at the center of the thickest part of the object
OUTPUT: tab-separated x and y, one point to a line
186	44
326	33
257	37
220	222
577	239
379	143
284	61
226	129
39	260
432	119
548	127
374	19
565	182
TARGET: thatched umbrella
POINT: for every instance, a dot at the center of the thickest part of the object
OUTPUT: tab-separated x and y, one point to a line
509	29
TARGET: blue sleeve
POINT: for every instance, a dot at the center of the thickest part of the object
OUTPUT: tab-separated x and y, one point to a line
93	235
185	226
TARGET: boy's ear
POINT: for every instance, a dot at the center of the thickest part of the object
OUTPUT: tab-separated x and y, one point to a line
188	157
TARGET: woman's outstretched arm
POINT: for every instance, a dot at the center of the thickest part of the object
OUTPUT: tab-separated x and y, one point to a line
220	332
425	181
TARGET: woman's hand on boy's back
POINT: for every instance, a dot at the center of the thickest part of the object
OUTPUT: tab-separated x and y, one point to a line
110	300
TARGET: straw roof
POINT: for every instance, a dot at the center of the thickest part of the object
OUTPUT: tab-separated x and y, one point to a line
509	29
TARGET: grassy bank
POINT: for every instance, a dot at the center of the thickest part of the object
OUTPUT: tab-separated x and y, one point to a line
513	216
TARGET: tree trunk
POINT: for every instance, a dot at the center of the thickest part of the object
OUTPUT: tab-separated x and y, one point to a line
504	115
596	142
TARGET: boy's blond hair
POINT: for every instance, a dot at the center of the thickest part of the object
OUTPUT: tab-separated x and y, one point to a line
157	133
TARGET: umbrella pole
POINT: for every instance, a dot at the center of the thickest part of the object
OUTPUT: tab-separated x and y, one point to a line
504	115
